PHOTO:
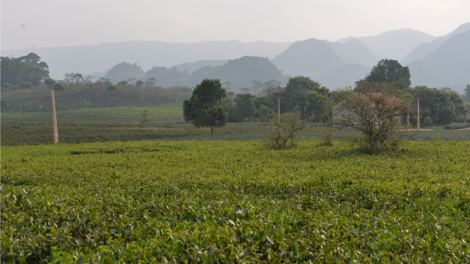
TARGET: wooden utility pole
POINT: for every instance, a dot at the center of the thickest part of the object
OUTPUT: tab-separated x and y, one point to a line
55	133
279	108
418	113
408	117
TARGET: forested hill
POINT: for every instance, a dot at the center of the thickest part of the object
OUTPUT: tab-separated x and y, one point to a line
88	59
240	72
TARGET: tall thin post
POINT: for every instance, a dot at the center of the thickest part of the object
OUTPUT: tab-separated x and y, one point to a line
418	113
279	108
408	117
55	133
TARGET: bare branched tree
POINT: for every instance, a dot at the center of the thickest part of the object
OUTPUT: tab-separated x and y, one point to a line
375	110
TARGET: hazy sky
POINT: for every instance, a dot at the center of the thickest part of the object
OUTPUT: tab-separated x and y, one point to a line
52	23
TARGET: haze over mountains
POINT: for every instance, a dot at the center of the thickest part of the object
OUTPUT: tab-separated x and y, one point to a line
434	61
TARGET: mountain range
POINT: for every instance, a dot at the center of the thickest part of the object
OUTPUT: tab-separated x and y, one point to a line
433	61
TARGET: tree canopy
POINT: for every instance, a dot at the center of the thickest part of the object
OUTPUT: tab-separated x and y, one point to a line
389	71
25	69
204	108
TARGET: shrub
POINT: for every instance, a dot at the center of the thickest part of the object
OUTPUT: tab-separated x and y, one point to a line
427	121
6	85
25	85
279	133
457	126
111	88
15	87
59	87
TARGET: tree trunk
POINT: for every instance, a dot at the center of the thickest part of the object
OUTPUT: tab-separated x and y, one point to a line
212	131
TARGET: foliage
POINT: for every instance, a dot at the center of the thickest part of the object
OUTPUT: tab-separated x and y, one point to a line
49	82
467	93
164	201
244	107
111	88
375	115
427	121
203	108
325	134
441	105
25	69
58	87
145	117
457	126
388	71
123	71
265	113
280	132
76	78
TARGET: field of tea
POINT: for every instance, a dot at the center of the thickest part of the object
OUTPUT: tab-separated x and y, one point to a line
159	113
229	201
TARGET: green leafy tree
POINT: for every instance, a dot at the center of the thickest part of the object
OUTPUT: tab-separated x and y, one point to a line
49	82
111	88
76	78
204	108
388	71
317	100
427	121
151	82
58	87
467	93
265	113
296	93
442	106
139	83
23	69
244	106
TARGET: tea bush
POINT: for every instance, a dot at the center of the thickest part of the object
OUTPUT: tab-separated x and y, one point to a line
457	126
221	201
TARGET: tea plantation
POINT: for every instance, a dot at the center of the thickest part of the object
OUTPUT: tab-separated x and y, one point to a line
228	201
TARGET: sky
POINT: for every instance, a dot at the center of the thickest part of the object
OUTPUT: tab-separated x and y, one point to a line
58	23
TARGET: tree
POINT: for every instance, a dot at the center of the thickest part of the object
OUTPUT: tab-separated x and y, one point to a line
375	115
58	87
245	89
467	93
76	78
139	83
23	69
265	113
443	106
317	100
228	85
49	82
257	86
203	109
296	92
244	106
122	83
388	71
151	82
111	88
